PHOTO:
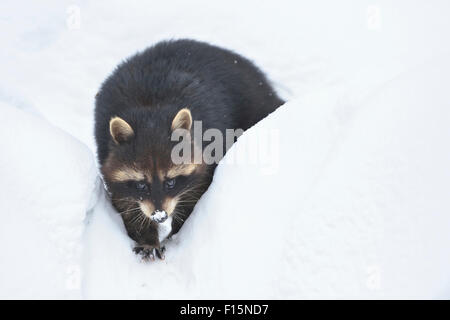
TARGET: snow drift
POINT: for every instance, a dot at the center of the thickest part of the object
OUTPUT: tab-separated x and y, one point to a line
357	207
47	181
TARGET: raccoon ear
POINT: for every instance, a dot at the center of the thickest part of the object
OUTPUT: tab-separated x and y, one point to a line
183	120
120	130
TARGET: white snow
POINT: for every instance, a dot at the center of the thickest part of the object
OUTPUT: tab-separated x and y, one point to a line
349	194
164	228
47	182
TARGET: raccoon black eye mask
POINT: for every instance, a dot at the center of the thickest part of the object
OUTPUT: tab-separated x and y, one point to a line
170	86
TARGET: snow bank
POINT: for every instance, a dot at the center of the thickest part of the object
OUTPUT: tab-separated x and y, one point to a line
356	206
47	181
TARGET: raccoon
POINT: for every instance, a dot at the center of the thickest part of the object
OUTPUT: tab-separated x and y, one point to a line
161	89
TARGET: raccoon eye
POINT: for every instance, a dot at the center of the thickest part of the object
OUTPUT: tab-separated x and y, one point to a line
170	184
141	186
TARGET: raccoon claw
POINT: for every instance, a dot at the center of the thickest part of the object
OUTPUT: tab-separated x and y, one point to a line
160	253
147	254
150	256
150	253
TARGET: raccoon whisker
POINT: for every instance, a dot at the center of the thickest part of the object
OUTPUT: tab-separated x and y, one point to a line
137	218
129	210
197	186
186	205
144	221
191	200
192	191
188	201
132	208
134	220
141	223
176	217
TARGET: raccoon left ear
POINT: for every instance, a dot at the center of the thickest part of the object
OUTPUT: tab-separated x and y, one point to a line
183	120
120	130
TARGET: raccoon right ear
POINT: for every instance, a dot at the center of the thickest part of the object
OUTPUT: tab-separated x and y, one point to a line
120	130
183	120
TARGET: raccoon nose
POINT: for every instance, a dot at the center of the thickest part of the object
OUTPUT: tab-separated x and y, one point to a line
159	216
157	203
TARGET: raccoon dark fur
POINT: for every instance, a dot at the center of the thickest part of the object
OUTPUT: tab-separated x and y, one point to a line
138	106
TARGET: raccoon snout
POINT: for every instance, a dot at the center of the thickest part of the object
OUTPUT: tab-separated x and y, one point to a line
159	216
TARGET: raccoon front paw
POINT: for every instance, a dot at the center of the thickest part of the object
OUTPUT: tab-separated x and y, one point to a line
149	253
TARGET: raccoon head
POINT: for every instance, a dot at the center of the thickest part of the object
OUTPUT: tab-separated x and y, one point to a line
146	186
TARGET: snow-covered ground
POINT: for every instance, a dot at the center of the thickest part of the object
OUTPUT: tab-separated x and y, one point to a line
348	198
